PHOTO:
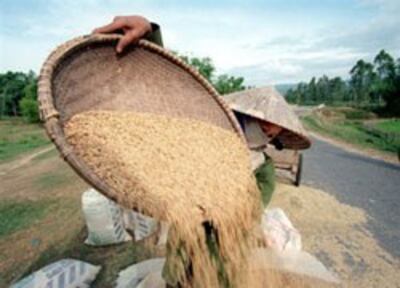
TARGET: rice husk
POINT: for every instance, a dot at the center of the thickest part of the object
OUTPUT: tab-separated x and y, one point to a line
181	171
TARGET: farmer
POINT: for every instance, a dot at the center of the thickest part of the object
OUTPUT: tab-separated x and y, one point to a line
258	133
266	120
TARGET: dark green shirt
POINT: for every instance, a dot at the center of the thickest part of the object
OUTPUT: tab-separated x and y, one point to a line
265	175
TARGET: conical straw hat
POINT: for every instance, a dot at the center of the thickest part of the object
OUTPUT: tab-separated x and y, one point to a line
266	104
86	74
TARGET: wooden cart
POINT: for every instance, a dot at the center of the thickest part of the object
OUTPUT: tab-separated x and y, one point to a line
288	160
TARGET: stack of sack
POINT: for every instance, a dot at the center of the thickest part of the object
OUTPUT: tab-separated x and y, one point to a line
107	223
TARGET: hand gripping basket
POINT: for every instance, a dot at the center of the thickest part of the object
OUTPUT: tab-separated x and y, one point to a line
86	74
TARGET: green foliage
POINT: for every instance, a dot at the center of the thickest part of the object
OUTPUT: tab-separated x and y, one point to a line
29	109
30	90
50	180
374	85
13	87
18	215
389	126
362	80
204	65
317	91
354	132
357	114
224	83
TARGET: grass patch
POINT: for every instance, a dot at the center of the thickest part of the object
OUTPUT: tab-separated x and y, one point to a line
348	113
51	180
389	126
18	215
356	114
18	137
353	132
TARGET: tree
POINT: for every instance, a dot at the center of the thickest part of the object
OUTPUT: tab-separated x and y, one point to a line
385	65
392	99
204	65
13	87
302	93
226	84
386	78
362	79
12	90
28	104
29	109
313	90
369	84
338	90
291	96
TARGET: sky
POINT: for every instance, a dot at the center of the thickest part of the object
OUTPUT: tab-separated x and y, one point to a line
266	42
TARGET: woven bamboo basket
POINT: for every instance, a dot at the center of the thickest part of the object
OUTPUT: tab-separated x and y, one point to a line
86	74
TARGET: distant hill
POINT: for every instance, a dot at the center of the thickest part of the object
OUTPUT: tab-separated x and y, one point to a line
283	88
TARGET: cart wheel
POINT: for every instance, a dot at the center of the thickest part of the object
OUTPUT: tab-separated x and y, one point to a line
299	170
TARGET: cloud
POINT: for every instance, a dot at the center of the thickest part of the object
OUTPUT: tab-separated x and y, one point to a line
331	50
296	69
380	32
264	42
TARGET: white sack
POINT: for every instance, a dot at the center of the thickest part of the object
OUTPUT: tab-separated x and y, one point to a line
103	220
153	280
279	232
66	273
298	262
142	226
132	276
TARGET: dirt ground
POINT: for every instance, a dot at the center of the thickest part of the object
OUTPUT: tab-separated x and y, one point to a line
336	234
50	180
60	234
332	231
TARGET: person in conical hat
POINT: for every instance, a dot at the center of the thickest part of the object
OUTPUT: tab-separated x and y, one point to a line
266	118
258	131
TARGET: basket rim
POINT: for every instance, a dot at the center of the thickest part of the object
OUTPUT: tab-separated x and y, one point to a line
50	116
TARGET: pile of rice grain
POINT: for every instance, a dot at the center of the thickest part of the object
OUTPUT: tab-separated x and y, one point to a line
181	171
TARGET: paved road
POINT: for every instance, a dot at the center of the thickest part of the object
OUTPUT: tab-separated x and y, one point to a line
370	184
